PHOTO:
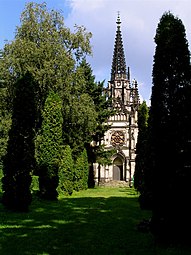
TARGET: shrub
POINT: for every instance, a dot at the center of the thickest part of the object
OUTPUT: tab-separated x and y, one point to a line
34	183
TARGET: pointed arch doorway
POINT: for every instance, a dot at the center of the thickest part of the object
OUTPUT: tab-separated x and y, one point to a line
117	169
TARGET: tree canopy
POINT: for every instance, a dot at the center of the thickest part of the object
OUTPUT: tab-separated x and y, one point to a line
54	58
47	49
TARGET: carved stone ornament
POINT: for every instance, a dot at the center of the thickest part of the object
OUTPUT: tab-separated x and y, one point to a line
117	138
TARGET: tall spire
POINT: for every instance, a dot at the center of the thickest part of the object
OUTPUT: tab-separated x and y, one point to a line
118	69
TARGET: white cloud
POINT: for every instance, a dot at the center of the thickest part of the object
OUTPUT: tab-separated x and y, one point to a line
139	22
84	5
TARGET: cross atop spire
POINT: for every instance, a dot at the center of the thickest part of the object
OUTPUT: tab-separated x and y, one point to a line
118	69
118	22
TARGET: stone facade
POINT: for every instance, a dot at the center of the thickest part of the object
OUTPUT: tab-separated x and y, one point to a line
122	135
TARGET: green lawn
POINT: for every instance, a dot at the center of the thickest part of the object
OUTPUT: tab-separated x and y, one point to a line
101	221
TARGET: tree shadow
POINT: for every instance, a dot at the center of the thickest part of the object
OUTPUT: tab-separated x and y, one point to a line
75	226
129	191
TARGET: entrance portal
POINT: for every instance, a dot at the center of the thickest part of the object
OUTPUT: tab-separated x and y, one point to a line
117	169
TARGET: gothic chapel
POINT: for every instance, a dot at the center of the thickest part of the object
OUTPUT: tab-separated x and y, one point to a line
122	135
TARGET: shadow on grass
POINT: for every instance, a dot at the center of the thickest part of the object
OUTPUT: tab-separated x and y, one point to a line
129	191
75	226
80	225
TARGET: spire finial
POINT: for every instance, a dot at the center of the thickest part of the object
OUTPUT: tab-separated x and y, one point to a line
118	19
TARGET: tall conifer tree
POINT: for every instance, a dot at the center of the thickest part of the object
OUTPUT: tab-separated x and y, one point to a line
171	88
50	147
81	172
19	160
66	172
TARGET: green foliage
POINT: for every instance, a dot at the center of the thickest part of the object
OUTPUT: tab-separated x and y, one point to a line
51	138
5	116
170	129
19	159
101	103
1	176
66	172
79	122
35	183
141	146
47	49
51	53
81	172
49	145
103	157
142	175
5	123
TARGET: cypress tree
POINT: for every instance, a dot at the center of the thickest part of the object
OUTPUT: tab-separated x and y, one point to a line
66	172
19	160
171	88
81	172
49	145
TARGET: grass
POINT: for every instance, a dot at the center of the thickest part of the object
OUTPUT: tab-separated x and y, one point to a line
100	221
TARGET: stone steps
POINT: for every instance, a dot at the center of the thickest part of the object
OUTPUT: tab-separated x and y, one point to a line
115	184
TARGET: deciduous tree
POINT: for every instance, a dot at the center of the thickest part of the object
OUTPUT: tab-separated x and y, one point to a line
47	49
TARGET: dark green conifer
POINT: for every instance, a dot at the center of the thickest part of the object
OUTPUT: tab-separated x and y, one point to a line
19	160
170	129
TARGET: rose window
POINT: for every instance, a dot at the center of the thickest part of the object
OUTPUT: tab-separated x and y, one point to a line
117	138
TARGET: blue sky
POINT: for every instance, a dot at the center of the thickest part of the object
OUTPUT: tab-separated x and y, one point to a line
10	12
139	22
